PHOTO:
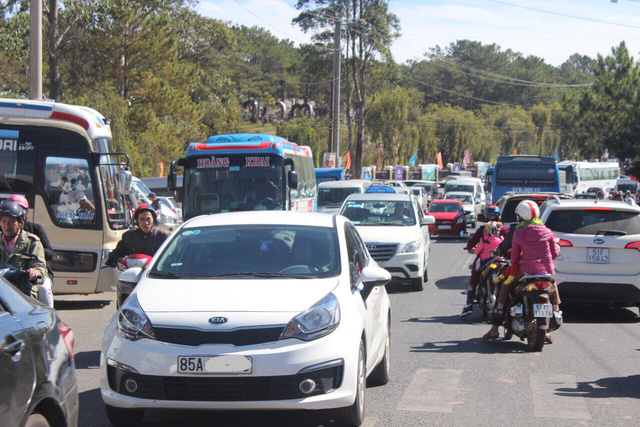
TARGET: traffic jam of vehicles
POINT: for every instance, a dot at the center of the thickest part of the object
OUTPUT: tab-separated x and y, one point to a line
248	286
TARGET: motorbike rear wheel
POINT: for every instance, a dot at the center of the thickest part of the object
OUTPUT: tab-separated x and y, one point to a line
535	339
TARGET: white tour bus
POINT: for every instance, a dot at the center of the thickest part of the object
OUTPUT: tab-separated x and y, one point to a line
61	158
578	177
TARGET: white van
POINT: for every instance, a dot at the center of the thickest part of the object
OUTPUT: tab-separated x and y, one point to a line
331	194
471	185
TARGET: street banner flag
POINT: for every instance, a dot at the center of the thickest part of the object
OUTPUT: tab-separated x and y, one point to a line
439	160
379	157
467	157
515	151
347	162
412	160
557	156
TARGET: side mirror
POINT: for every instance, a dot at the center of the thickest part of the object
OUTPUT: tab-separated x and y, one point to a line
428	220
293	179
131	275
124	182
373	276
173	172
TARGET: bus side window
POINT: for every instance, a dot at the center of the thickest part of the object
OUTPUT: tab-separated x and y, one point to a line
69	192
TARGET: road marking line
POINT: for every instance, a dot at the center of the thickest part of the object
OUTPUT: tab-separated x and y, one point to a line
548	400
431	390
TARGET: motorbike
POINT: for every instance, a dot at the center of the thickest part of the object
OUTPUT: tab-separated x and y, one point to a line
487	291
124	289
529	313
19	276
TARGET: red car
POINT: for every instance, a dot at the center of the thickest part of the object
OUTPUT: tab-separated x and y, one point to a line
449	215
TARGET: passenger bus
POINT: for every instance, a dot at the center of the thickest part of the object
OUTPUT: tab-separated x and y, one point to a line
578	177
61	158
524	174
241	172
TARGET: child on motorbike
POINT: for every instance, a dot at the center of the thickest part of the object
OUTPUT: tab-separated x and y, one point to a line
491	213
490	240
533	251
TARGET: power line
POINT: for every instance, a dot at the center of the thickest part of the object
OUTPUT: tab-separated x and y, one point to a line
565	15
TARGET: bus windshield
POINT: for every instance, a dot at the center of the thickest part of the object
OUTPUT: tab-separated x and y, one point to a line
233	182
526	175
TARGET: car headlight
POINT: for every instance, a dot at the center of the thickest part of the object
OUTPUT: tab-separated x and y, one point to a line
460	220
133	323
318	321
412	247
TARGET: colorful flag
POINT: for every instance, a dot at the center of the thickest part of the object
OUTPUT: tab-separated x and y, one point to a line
412	160
439	160
467	157
347	161
557	156
515	151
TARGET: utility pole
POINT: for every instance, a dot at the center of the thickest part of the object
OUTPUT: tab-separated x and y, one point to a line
335	115
35	49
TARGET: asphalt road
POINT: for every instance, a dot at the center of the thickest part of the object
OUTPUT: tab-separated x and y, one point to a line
443	373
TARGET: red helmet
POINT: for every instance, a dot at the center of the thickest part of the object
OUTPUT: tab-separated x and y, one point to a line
145	208
19	199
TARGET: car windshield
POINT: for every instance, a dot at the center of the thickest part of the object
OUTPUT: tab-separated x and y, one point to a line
335	196
463	198
593	220
379	212
460	187
444	207
250	251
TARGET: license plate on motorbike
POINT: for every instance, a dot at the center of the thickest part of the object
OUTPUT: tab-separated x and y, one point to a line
232	364
542	310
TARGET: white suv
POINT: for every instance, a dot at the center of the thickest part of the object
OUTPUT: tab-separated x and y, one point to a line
395	230
599	261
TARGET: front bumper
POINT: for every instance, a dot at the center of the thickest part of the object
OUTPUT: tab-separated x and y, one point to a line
405	266
274	382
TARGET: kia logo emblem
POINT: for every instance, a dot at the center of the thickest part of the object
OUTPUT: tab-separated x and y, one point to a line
218	320
371	247
598	241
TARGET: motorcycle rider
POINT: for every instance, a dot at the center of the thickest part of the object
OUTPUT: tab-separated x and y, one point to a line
488	243
17	242
45	295
491	213
146	239
533	251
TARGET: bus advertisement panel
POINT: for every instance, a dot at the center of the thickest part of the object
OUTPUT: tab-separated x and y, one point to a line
60	157
524	174
243	172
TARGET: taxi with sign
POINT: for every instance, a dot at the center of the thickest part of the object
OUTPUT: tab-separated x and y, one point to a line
395	230
599	261
250	310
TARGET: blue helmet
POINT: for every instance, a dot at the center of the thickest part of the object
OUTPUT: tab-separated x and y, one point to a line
492	213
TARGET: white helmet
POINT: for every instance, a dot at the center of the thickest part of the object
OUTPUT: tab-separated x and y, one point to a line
528	210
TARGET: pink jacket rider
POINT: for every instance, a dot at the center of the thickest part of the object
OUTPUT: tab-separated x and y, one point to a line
540	249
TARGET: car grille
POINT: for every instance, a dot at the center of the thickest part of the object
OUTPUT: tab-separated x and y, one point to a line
196	337
442	222
223	389
381	252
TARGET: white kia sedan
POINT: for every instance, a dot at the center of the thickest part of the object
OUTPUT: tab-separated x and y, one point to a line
251	310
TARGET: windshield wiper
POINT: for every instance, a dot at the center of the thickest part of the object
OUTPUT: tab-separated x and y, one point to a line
167	274
251	274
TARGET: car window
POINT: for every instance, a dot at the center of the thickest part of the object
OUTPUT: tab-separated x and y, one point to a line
355	254
250	251
379	212
590	221
445	207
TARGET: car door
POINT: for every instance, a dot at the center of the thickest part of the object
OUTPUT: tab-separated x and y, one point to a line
369	307
17	368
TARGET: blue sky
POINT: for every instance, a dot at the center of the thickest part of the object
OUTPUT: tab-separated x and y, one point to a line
550	29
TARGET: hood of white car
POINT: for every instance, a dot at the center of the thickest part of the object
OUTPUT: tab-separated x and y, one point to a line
232	295
388	234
